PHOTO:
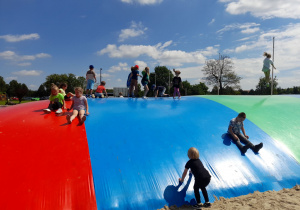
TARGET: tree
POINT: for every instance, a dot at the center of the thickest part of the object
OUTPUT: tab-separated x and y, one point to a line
161	76
71	80
220	73
3	85
262	89
42	91
20	91
199	89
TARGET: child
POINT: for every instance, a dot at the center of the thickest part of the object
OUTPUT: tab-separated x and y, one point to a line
62	89
91	79
237	124
56	100
266	67
100	89
121	95
176	84
145	80
202	177
133	89
159	91
79	105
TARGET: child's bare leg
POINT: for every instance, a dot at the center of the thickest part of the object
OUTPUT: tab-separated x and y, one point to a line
81	116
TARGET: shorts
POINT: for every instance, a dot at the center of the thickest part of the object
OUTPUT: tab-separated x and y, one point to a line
100	95
90	84
144	83
265	69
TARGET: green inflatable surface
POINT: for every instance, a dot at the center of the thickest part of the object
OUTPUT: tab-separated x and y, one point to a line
278	116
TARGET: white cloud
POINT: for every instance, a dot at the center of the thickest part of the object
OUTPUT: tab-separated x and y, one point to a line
119	80
136	29
245	28
18	38
211	22
119	67
28	73
11	78
33	87
10	55
141	64
142	2
264	8
159	53
24	64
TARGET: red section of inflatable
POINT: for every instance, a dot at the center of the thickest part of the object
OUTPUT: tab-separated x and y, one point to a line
44	161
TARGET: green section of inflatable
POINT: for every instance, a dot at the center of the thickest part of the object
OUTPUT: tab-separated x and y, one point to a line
278	116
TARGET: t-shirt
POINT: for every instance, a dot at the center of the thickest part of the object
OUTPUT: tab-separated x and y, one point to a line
57	98
145	76
134	74
61	91
267	63
176	82
197	169
90	75
100	89
79	102
236	126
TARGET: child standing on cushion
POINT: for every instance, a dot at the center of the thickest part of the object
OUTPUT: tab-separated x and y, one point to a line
100	89
202	177
145	81
176	84
79	105
267	66
56	100
91	79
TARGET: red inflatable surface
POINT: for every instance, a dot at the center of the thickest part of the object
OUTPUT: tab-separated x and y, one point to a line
43	165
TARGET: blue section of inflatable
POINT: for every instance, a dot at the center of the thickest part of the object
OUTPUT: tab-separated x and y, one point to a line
139	147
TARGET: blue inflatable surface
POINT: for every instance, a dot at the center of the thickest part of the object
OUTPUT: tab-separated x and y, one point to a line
138	150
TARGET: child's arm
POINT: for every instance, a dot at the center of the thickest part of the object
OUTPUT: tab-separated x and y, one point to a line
71	107
106	94
232	134
244	132
64	103
87	107
183	175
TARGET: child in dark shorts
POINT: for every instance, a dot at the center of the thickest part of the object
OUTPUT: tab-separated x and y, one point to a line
202	177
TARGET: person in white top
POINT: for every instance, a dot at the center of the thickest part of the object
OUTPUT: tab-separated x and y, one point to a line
91	79
267	66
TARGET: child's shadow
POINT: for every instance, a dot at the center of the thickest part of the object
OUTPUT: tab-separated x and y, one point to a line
173	197
226	139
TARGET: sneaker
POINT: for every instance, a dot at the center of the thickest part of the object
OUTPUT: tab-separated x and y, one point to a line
258	147
47	111
82	120
206	204
245	148
59	111
68	117
198	205
144	97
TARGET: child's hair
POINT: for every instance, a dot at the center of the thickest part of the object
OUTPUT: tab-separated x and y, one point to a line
147	69
176	71
193	153
120	94
79	89
242	114
91	67
103	83
54	87
267	55
63	84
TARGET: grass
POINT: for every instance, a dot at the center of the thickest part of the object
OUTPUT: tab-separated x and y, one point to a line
13	101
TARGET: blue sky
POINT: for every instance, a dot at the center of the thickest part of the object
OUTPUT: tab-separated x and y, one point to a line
39	38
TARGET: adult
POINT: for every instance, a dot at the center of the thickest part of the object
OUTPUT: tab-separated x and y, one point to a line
90	79
267	67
